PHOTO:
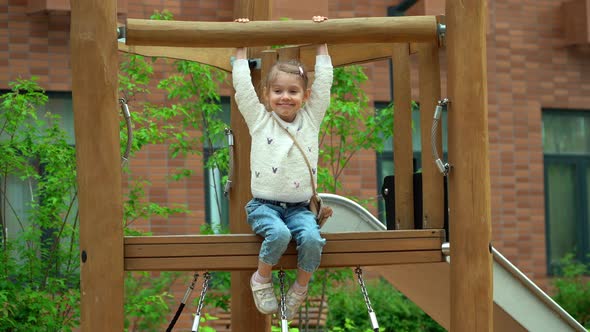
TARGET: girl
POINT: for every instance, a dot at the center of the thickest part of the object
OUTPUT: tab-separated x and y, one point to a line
280	177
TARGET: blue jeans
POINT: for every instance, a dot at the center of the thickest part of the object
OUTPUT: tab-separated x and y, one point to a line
278	223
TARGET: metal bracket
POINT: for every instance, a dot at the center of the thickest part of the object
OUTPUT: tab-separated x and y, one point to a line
441	31
121	34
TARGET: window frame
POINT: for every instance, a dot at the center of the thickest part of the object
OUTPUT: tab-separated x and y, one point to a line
581	163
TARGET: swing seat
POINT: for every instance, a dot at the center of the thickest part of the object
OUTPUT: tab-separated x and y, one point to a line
234	252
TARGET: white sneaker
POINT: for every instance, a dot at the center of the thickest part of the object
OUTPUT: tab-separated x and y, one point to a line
264	297
293	302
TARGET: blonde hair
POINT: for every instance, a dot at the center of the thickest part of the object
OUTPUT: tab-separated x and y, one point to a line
290	67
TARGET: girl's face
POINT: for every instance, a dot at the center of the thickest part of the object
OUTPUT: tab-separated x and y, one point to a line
286	95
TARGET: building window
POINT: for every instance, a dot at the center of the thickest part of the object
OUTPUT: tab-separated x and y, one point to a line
17	193
217	205
566	148
385	159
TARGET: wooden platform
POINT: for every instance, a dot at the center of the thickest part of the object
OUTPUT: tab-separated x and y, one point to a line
234	252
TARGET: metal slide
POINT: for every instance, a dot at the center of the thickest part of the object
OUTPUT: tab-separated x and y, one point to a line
519	304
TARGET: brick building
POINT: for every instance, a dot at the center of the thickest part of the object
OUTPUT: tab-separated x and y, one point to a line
539	118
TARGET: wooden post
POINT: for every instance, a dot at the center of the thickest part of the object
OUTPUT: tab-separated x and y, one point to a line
469	179
432	180
402	138
96	116
245	316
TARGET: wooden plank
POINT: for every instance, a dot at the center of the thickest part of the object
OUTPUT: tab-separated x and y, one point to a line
237	238
288	261
469	179
402	138
94	94
267	33
237	249
432	179
240	252
216	57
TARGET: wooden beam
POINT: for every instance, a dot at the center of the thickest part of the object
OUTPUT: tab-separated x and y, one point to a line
266	33
402	138
240	251
216	57
94	94
341	54
433	214
347	54
469	178
245	316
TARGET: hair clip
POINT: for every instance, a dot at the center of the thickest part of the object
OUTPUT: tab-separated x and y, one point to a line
300	71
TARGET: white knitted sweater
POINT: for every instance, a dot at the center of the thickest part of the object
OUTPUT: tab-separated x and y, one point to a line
278	170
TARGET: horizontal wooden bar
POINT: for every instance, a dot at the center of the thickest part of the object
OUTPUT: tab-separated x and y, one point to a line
252	248
267	33
240	251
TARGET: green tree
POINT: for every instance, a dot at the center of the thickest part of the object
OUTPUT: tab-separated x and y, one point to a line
350	125
39	270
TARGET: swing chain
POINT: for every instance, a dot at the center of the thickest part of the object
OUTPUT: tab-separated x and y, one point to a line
283	305
372	315
359	273
207	278
190	288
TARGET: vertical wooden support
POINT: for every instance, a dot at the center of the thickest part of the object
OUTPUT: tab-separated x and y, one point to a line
402	138
245	316
469	179
96	116
432	179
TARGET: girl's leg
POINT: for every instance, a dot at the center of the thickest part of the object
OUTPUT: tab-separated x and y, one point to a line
264	270
303	277
266	222
304	229
262	289
306	233
263	275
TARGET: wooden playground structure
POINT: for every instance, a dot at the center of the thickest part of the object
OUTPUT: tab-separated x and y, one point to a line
106	254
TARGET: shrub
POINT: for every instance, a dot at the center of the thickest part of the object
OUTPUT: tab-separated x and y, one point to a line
573	289
394	311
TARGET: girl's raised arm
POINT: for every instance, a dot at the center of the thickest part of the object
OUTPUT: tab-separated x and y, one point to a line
322	48
241	52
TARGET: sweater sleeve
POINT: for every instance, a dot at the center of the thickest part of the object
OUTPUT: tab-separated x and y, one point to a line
246	97
319	100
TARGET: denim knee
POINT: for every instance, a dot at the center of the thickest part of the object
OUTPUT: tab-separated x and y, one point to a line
274	245
309	251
